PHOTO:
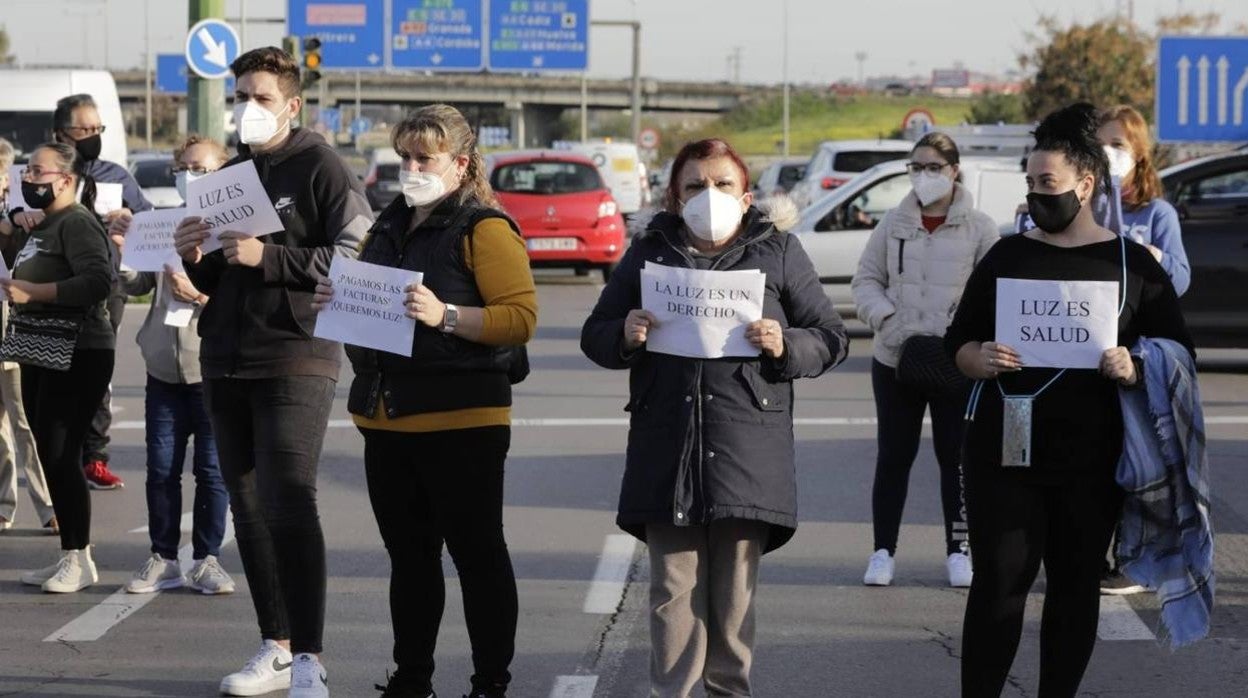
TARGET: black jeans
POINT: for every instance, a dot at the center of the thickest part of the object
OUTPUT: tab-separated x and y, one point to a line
269	436
445	487
1015	525
899	410
95	443
59	405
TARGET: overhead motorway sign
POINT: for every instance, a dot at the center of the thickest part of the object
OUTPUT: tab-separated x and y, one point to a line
538	35
1202	84
352	32
438	34
211	46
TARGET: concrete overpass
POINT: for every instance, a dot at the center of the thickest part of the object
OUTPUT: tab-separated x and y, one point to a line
535	102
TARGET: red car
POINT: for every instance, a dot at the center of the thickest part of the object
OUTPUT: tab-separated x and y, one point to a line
565	212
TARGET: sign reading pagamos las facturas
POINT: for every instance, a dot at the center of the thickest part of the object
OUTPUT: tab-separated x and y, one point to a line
701	314
1057	324
367	308
149	240
232	199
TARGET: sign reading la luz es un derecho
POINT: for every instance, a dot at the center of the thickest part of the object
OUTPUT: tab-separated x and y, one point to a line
1057	324
701	314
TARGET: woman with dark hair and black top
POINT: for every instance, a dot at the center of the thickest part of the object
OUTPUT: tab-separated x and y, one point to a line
60	334
1062	508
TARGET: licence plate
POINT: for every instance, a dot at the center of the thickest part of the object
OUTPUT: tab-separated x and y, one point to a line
552	243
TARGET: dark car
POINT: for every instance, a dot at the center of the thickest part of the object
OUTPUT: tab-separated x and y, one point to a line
1211	196
381	184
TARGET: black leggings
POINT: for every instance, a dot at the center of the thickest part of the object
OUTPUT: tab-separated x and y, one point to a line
445	487
59	406
1015	525
899	409
269	436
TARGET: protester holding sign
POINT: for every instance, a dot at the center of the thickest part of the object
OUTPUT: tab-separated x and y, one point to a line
709	478
1043	443
436	419
909	281
59	332
268	383
174	412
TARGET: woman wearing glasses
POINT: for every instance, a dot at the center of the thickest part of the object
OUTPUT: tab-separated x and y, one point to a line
909	281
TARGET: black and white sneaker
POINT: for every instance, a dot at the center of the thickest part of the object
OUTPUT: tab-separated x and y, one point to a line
1115	583
268	671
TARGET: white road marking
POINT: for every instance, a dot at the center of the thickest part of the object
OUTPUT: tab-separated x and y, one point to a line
1120	622
607	588
574	687
185	526
1229	420
99	619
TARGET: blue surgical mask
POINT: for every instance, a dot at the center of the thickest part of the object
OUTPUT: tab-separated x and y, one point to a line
183	178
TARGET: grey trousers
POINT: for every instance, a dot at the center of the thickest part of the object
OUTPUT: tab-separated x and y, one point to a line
17	448
702	581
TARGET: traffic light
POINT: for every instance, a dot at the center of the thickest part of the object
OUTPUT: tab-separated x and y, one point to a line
311	61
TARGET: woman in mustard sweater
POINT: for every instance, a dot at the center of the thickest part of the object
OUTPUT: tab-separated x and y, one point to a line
437	424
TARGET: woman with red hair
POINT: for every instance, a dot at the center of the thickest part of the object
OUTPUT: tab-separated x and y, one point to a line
709	478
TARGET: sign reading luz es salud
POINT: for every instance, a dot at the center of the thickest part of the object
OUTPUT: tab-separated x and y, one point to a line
367	308
701	314
1057	324
232	199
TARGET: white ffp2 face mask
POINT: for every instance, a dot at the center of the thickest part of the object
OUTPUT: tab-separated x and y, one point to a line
929	187
257	125
713	215
421	188
1121	162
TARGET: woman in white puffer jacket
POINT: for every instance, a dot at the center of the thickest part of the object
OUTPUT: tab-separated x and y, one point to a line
909	281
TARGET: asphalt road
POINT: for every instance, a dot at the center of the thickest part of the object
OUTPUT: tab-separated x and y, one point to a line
821	633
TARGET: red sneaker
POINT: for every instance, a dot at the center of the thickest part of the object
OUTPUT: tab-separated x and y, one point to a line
99	477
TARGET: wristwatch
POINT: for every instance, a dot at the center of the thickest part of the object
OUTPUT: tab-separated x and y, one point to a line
449	319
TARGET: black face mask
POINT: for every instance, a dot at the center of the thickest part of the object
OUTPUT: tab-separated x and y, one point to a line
1053	213
38	195
89	147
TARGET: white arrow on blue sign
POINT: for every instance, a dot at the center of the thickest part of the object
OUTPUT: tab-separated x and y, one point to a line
1202	84
211	46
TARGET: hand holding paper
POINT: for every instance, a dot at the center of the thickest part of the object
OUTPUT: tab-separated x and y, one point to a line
701	314
149	240
230	199
363	305
1057	324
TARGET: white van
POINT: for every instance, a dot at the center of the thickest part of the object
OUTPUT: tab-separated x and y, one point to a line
836	162
834	230
617	163
30	98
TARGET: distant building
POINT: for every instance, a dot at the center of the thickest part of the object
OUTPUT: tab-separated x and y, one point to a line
959	82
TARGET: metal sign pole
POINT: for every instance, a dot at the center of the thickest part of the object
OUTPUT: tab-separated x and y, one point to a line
206	98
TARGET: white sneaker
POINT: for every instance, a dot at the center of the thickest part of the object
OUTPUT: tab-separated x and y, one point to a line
75	572
308	678
879	569
958	565
268	671
156	574
207	577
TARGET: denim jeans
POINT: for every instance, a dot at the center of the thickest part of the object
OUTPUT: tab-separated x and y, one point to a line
175	413
270	432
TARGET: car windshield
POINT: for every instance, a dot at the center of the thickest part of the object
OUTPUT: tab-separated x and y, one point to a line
25	130
545	177
863	160
153	173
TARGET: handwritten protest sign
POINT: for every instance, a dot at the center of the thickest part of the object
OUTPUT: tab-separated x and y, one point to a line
701	314
367	308
149	241
232	199
15	187
1058	324
108	197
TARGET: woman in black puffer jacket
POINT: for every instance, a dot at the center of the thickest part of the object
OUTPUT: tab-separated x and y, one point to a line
709	480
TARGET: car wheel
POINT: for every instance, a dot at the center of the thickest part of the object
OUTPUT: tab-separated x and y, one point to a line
582	271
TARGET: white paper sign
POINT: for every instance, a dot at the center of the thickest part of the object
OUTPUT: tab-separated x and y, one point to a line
15	188
108	197
232	199
1058	324
701	314
367	309
179	314
149	241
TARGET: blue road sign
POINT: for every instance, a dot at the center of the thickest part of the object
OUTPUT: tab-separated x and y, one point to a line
361	124
539	35
171	73
330	118
1201	88
211	46
352	32
441	35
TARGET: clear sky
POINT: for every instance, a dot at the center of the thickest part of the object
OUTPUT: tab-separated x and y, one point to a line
681	39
